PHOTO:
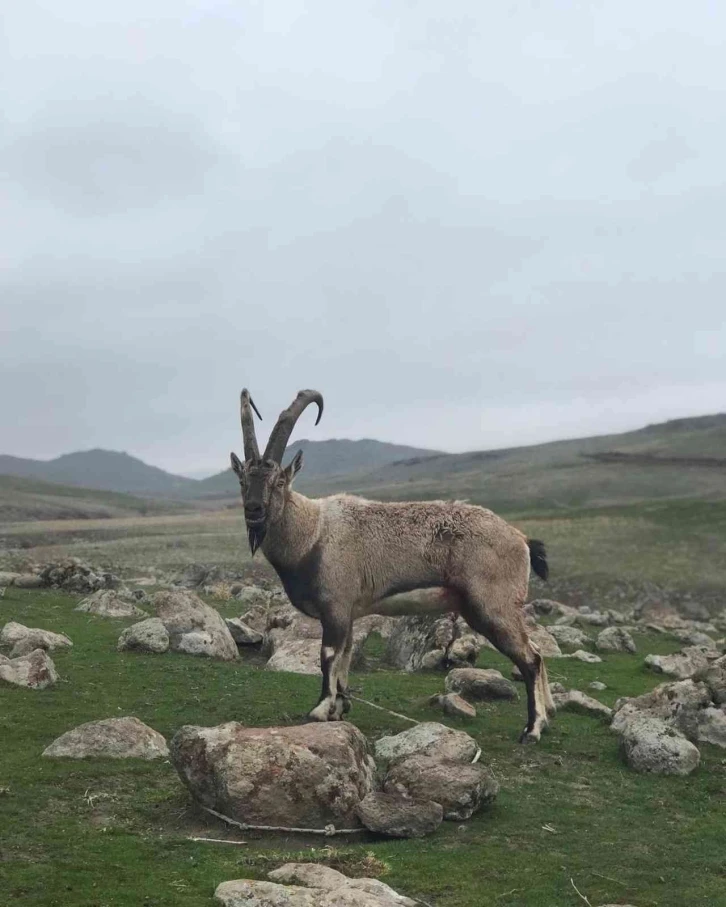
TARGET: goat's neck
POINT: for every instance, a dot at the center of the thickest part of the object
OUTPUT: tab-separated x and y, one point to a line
291	538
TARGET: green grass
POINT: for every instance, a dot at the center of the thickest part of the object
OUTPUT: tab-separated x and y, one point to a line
105	834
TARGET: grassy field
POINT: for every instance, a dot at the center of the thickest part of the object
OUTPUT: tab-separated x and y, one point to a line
104	834
614	551
24	499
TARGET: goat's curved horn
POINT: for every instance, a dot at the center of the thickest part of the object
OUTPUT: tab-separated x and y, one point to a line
288	417
246	405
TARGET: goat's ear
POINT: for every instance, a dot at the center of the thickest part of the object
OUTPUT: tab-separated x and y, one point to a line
294	468
237	465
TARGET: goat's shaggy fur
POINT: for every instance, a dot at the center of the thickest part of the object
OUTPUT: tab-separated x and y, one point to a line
342	557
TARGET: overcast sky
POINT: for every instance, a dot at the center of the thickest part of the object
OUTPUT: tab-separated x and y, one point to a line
468	225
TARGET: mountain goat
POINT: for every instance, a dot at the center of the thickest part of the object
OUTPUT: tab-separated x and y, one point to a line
341	557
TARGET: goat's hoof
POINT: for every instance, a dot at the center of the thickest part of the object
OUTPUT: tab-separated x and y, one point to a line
529	736
319	714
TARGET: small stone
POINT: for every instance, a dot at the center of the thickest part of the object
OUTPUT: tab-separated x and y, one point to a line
593	618
714	676
427	738
28	581
241	633
570	636
399	816
615	639
597	685
249	893
316	875
147	636
544	640
110	603
479	683
454	705
251	596
712	727
587	657
576	701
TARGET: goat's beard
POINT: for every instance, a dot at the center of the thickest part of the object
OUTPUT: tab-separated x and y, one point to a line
256	536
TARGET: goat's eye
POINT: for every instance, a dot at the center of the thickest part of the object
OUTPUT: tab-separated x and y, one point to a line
281	482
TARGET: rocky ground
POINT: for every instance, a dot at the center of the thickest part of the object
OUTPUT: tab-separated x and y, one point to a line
404	783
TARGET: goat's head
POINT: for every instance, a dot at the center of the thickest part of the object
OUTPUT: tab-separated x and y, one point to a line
264	482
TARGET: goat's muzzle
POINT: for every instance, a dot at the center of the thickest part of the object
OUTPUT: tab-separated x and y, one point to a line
256	520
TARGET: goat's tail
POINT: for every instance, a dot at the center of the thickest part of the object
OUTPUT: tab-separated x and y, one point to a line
538	558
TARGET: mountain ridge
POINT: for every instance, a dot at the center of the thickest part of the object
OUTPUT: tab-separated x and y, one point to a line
677	458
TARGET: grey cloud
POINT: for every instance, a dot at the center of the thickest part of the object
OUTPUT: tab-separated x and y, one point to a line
490	227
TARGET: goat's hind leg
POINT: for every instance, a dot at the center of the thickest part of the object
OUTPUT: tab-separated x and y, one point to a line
503	625
330	706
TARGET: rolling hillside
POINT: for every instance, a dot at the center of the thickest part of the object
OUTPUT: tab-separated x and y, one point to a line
685	458
108	470
336	457
681	459
29	499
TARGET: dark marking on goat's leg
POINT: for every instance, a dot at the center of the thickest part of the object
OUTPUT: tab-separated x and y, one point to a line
331	652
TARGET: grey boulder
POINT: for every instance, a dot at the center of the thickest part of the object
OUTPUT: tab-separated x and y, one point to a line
35	671
110	738
399	816
430	739
484	684
615	639
453	705
573	637
148	636
460	789
682	665
316	875
111	603
650	745
22	640
307	776
576	701
194	627
242	634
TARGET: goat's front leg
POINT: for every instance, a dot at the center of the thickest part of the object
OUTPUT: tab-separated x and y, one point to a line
335	635
342	702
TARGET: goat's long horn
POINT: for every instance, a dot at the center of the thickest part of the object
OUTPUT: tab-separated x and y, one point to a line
246	405
288	417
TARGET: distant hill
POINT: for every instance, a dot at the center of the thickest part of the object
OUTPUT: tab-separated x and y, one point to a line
30	499
336	457
107	470
683	458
